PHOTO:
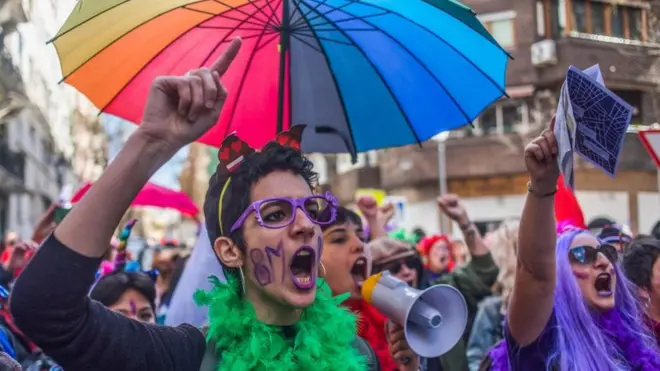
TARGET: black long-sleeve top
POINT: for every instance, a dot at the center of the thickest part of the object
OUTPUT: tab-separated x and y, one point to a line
50	305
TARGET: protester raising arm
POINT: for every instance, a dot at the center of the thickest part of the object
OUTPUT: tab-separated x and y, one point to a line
532	296
49	302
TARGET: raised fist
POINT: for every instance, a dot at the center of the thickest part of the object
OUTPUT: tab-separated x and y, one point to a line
180	109
541	161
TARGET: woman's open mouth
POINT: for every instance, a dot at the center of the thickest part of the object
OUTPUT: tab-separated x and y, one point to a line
303	267
603	285
359	271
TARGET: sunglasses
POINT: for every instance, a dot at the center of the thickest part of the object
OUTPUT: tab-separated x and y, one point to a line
279	212
395	266
589	254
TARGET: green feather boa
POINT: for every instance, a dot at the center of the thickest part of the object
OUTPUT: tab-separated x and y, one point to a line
323	340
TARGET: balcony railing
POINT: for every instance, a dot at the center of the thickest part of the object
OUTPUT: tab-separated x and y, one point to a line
12	162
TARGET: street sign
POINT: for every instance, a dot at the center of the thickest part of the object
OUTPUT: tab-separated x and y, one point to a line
651	141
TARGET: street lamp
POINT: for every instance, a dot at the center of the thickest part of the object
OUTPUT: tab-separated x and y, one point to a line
440	139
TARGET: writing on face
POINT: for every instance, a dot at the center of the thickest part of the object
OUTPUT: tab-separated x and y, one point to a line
301	266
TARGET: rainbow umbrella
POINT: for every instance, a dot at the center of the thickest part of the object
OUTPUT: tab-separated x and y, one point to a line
364	74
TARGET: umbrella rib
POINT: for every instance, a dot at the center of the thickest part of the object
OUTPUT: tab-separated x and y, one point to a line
86	20
263	12
240	86
297	37
217	45
253	15
277	18
230	28
222	15
354	18
426	68
473	13
303	16
334	80
296	10
452	47
263	45
389	89
151	60
124	34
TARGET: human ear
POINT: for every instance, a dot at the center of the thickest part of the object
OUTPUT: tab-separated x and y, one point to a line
228	253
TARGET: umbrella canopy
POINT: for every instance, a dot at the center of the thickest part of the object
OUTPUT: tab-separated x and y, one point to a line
155	196
361	74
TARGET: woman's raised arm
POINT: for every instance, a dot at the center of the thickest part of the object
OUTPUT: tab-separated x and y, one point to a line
49	301
533	293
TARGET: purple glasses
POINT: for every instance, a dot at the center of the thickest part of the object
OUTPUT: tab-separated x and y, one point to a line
278	212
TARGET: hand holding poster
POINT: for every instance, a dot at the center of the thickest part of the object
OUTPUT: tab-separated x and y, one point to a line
591	121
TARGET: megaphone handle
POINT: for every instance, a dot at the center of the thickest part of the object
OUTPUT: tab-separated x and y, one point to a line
403	361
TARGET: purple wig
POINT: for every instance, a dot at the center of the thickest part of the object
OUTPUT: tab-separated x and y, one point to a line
586	341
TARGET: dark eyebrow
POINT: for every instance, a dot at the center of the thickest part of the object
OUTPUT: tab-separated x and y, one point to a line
338	230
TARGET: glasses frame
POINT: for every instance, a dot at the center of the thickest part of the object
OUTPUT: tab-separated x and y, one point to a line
599	250
296	203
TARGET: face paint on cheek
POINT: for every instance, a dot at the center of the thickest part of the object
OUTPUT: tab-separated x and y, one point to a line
261	272
133	306
270	252
579	275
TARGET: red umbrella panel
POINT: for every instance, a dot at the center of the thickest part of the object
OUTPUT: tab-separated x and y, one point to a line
155	196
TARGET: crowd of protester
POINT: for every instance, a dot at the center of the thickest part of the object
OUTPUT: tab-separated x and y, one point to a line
542	292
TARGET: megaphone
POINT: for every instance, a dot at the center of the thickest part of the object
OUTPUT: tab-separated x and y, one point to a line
433	320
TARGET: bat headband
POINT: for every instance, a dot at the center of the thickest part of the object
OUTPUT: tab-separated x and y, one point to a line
233	152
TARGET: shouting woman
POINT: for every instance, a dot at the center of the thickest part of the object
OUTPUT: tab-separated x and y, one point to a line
571	308
264	222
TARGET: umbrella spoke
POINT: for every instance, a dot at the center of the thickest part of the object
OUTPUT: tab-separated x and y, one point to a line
272	9
238	9
354	18
299	38
241	84
304	16
272	13
226	38
376	71
274	34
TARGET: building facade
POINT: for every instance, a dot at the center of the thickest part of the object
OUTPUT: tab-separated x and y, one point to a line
42	131
484	163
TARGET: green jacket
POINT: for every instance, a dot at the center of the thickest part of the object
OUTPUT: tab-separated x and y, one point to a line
474	281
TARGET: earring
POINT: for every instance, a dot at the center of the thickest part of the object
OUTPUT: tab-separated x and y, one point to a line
324	271
243	283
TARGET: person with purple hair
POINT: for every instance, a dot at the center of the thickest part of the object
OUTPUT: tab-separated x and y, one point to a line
571	308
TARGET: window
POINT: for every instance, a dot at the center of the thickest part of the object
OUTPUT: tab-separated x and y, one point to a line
505	116
512	116
579	17
488	120
502	26
618	22
602	18
550	20
635	24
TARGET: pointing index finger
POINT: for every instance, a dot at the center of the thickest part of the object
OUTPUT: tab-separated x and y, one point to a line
224	61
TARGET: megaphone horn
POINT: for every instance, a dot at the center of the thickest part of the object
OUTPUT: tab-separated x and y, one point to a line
433	319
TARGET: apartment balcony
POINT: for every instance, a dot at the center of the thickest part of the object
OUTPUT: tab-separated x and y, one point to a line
488	156
12	168
625	64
